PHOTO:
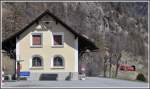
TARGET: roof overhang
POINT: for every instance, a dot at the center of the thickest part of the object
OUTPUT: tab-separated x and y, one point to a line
84	42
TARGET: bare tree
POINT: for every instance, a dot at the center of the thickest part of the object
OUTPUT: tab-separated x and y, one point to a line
105	65
118	58
106	59
110	65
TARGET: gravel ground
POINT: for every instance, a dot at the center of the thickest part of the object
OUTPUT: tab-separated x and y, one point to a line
89	82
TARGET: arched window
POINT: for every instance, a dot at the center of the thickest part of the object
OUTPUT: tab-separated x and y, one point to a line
37	61
58	61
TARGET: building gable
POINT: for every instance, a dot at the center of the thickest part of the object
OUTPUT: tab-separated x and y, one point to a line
83	41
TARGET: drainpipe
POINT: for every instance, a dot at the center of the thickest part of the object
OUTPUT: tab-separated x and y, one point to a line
17	55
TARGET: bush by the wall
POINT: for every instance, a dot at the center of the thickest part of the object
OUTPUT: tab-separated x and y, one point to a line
141	77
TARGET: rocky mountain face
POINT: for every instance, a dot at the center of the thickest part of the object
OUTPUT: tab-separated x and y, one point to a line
121	27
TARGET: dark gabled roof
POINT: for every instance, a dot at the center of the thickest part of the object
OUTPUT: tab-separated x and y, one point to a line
47	12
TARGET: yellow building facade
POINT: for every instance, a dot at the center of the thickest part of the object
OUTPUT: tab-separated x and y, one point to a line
47	49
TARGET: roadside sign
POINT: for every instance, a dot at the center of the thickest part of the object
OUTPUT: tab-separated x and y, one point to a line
83	67
24	74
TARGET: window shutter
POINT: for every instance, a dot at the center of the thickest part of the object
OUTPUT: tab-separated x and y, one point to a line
36	39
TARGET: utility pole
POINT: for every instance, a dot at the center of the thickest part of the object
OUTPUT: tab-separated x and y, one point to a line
110	66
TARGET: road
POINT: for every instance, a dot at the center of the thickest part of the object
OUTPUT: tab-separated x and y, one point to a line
89	82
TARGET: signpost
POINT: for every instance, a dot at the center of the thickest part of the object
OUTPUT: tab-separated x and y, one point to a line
83	68
2	78
24	74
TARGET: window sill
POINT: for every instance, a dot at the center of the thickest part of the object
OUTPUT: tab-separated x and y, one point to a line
36	46
37	68
57	67
58	46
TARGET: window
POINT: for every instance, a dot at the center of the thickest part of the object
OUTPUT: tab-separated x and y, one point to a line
36	40
36	61
58	61
58	39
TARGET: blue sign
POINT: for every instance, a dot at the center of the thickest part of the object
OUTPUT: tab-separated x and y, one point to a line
24	73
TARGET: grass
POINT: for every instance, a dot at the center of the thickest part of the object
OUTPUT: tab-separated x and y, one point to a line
128	75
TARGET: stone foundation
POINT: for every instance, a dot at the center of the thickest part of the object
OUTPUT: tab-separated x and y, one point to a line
60	75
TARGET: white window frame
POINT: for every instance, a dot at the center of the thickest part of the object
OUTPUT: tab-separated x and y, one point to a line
31	40
57	67
52	41
30	62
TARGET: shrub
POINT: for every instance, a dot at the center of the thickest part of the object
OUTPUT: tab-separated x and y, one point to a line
140	77
22	78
